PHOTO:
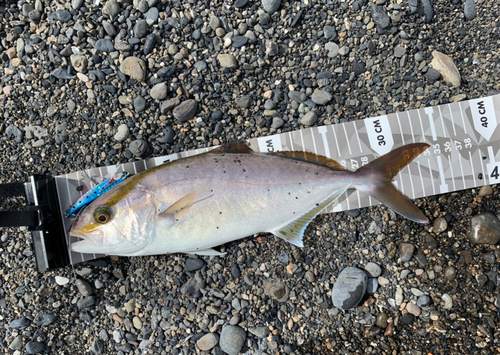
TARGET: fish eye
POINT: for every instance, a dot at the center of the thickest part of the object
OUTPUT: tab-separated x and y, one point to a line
102	215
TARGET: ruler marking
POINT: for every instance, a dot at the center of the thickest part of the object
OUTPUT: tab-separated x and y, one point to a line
452	174
347	139
482	164
302	141
462	114
400	128
428	111
411	126
444	186
421	125
432	178
336	141
314	144
472	167
421	178
357	135
442	121
411	182
462	170
322	131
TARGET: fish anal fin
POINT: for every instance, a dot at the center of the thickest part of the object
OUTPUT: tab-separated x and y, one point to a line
311	158
235	147
180	208
294	231
207	252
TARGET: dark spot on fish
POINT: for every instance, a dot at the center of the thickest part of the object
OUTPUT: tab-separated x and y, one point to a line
300	183
316	173
79	188
317	204
176	220
244	171
187	166
296	197
224	171
220	212
211	190
288	193
217	227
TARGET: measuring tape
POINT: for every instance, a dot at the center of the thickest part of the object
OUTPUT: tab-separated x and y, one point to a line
464	152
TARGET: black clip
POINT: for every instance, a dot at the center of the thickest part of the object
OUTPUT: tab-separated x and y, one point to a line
43	218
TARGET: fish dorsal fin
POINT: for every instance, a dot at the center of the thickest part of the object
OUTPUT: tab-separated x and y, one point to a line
294	231
180	208
235	147
312	158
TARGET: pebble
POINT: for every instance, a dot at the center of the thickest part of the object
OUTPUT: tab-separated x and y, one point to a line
138	147
381	320
450	273
329	32
44	319
309	118
271	6
207	342
413	309
485	190
484	229
13	131
373	269
380	17
159	91
136	321
349	288
193	264
232	339
440	225
321	97
446	301
104	45
444	65
185	110
260	332
35	347
83	287
227	60
139	104
470	11
430	242
17	343
406	251
424	301
61	280
134	67
122	133
20	323
432	75
141	29
86	303
276	289
372	285
111	8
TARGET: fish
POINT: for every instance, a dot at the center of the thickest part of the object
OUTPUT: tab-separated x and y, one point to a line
194	204
94	193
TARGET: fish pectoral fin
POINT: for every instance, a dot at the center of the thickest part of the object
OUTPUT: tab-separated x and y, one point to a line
208	252
294	231
180	208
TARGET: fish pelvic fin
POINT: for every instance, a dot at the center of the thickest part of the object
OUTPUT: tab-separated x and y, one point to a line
379	175
293	232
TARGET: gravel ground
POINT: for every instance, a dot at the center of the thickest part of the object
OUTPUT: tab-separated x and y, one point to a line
88	83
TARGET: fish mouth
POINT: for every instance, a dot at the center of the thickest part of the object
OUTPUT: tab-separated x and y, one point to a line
89	242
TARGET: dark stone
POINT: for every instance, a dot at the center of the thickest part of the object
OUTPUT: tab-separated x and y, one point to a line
140	29
61	73
349	288
358	68
34	347
109	88
63	15
240	3
239	41
20	323
150	43
44	318
432	75
186	110
104	45
407	318
297	18
193	264
324	75
380	17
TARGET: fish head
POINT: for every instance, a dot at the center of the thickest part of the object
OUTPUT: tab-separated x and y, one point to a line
120	222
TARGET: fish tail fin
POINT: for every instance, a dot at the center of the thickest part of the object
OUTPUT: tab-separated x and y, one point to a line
376	177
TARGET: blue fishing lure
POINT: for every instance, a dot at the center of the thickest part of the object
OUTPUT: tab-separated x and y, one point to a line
94	193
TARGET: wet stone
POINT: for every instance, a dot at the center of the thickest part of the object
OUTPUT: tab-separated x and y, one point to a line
20	323
44	319
232	339
186	110
406	251
34	347
430	242
440	225
407	318
349	288
485	229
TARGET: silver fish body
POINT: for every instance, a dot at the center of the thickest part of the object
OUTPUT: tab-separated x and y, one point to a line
193	204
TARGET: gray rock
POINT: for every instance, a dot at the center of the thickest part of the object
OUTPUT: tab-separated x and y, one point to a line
20	323
109	28
260	332
122	46
17	343
79	62
16	133
309	118
297	96
329	32
61	73
134	67
432	75
159	91
277	122
428	10
470	11
271	48
44	318
104	45
227	60
83	287
97	347
373	270
243	101
406	251
201	65
413	5
111	8
399	51
63	15
214	22
264	18
150	43
168	136
34	347
141	29
485	229
232	339
271	6
143	6
430	242
239	41
344	50
186	110
240	3
152	15
208	341
380	17
139	103
121	133
372	285
349	288
76	4
333	49
424	301
86	303
321	97
138	147
169	104
193	264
